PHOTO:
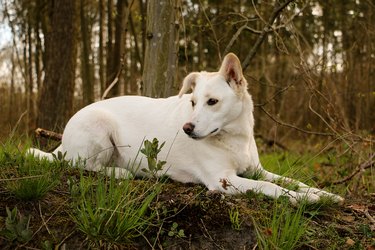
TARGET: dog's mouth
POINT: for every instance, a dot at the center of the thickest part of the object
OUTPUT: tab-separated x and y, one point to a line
196	137
214	131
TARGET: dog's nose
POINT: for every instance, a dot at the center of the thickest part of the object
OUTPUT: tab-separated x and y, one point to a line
188	128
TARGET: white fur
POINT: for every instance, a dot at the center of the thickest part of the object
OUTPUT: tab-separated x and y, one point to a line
220	147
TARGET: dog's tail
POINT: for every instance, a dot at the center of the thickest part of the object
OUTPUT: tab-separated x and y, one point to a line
41	154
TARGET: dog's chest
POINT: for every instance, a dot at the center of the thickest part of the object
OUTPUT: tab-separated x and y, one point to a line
235	152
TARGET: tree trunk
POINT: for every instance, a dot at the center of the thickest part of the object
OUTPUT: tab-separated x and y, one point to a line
109	43
56	96
161	57
101	46
87	70
38	46
123	10
12	89
143	27
31	103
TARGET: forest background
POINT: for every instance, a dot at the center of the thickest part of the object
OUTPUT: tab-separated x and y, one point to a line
310	64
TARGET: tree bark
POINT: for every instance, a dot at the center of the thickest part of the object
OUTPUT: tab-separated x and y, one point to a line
109	44
87	69
118	50
161	56
101	45
56	96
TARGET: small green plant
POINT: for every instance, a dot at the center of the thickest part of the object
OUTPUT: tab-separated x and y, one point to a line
175	232
285	229
151	151
16	227
234	217
113	210
60	160
47	245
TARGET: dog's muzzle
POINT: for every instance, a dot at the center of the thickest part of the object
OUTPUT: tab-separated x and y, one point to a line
188	128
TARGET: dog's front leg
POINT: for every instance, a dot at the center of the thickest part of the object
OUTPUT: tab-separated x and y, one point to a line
255	165
302	187
234	184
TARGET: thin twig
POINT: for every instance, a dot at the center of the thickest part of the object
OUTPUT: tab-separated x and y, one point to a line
294	127
58	209
367	164
66	237
213	30
279	92
278	8
43	220
18	123
234	38
21	178
115	80
210	237
368	215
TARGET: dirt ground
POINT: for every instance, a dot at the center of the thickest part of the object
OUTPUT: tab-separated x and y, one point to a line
201	216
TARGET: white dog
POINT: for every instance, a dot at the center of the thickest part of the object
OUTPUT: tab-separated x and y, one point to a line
217	144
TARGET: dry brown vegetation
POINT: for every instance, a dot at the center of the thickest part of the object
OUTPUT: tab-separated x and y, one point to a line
310	67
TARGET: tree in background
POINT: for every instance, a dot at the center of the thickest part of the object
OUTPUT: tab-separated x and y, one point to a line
161	55
87	70
55	104
308	67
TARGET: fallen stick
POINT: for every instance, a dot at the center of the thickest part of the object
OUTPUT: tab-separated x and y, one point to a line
363	166
48	134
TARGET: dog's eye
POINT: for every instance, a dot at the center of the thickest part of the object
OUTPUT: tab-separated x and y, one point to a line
212	101
192	103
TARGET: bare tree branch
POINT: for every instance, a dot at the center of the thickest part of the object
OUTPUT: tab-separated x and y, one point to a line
212	28
278	8
292	126
48	134
367	164
237	34
115	80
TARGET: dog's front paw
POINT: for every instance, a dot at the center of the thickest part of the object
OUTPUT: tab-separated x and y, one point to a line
296	198
333	197
323	194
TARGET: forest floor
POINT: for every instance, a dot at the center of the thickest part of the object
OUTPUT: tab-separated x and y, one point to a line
187	216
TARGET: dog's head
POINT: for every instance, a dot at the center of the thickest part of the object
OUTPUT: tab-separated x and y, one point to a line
217	98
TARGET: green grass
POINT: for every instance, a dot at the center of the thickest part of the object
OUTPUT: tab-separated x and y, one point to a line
102	212
234	217
113	210
307	168
26	177
117	210
284	229
288	164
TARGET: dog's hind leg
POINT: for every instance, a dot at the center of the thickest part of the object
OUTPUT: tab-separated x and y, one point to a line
90	139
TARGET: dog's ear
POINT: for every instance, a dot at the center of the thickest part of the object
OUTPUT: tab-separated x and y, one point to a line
188	83
232	71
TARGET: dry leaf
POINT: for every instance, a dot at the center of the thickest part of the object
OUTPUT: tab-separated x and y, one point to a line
358	207
347	218
349	242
